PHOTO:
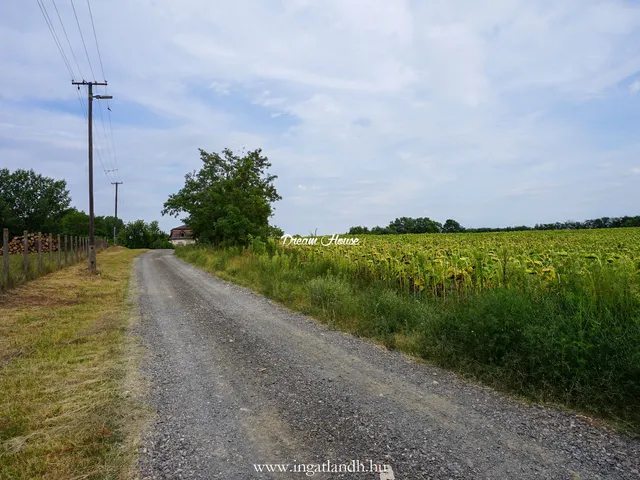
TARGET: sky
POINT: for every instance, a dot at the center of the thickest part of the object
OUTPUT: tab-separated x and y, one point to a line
493	113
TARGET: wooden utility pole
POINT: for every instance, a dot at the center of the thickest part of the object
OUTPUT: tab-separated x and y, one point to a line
92	246
116	221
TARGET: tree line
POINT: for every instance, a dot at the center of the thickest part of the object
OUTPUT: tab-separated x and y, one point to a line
426	225
30	201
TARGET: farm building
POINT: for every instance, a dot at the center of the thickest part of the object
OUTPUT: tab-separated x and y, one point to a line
181	235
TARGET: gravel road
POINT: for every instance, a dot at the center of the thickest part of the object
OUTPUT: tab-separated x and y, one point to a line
237	381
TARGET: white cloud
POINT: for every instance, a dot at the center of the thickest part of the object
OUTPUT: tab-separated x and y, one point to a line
443	109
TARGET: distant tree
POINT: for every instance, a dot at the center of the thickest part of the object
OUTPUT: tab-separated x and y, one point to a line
109	222
426	225
30	201
451	226
229	200
100	227
402	225
379	230
75	223
358	230
139	234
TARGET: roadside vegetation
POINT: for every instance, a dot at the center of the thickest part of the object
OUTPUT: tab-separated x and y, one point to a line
68	393
551	313
553	316
17	273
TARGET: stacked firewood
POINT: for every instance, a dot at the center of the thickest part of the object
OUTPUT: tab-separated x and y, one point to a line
17	244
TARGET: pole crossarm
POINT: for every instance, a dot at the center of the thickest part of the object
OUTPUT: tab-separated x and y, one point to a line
84	82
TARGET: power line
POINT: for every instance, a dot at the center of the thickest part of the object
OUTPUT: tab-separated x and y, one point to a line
113	144
104	131
82	37
114	157
84	110
67	37
100	157
98	151
47	19
56	39
96	39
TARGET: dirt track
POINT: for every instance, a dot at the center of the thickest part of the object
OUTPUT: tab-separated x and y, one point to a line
238	381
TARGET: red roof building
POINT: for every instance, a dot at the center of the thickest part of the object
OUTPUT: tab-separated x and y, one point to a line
181	235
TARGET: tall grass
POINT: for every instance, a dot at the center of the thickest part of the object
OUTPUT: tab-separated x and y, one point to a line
578	344
17	274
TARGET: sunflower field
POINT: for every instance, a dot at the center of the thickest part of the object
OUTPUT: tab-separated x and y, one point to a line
551	315
446	264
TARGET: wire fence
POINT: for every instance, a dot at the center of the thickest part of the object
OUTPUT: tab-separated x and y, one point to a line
35	254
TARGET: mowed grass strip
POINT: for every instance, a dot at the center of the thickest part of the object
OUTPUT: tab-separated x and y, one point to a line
69	396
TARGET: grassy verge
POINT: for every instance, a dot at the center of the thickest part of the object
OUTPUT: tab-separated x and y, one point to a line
555	347
68	404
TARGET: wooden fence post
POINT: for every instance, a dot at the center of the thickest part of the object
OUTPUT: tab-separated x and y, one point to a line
59	252
25	253
5	254
75	247
50	248
39	253
66	249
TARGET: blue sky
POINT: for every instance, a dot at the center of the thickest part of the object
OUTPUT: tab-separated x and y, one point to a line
510	112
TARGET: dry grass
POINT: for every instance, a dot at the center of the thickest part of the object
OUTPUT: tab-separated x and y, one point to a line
69	408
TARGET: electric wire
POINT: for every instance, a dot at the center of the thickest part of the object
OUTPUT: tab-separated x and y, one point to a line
65	59
68	42
82	38
112	150
47	19
93	25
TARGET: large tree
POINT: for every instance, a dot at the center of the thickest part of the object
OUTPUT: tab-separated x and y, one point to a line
30	201
451	226
229	200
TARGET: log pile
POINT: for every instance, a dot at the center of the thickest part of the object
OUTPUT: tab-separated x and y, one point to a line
16	245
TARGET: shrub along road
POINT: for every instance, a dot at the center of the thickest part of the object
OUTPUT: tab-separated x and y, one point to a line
238	381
